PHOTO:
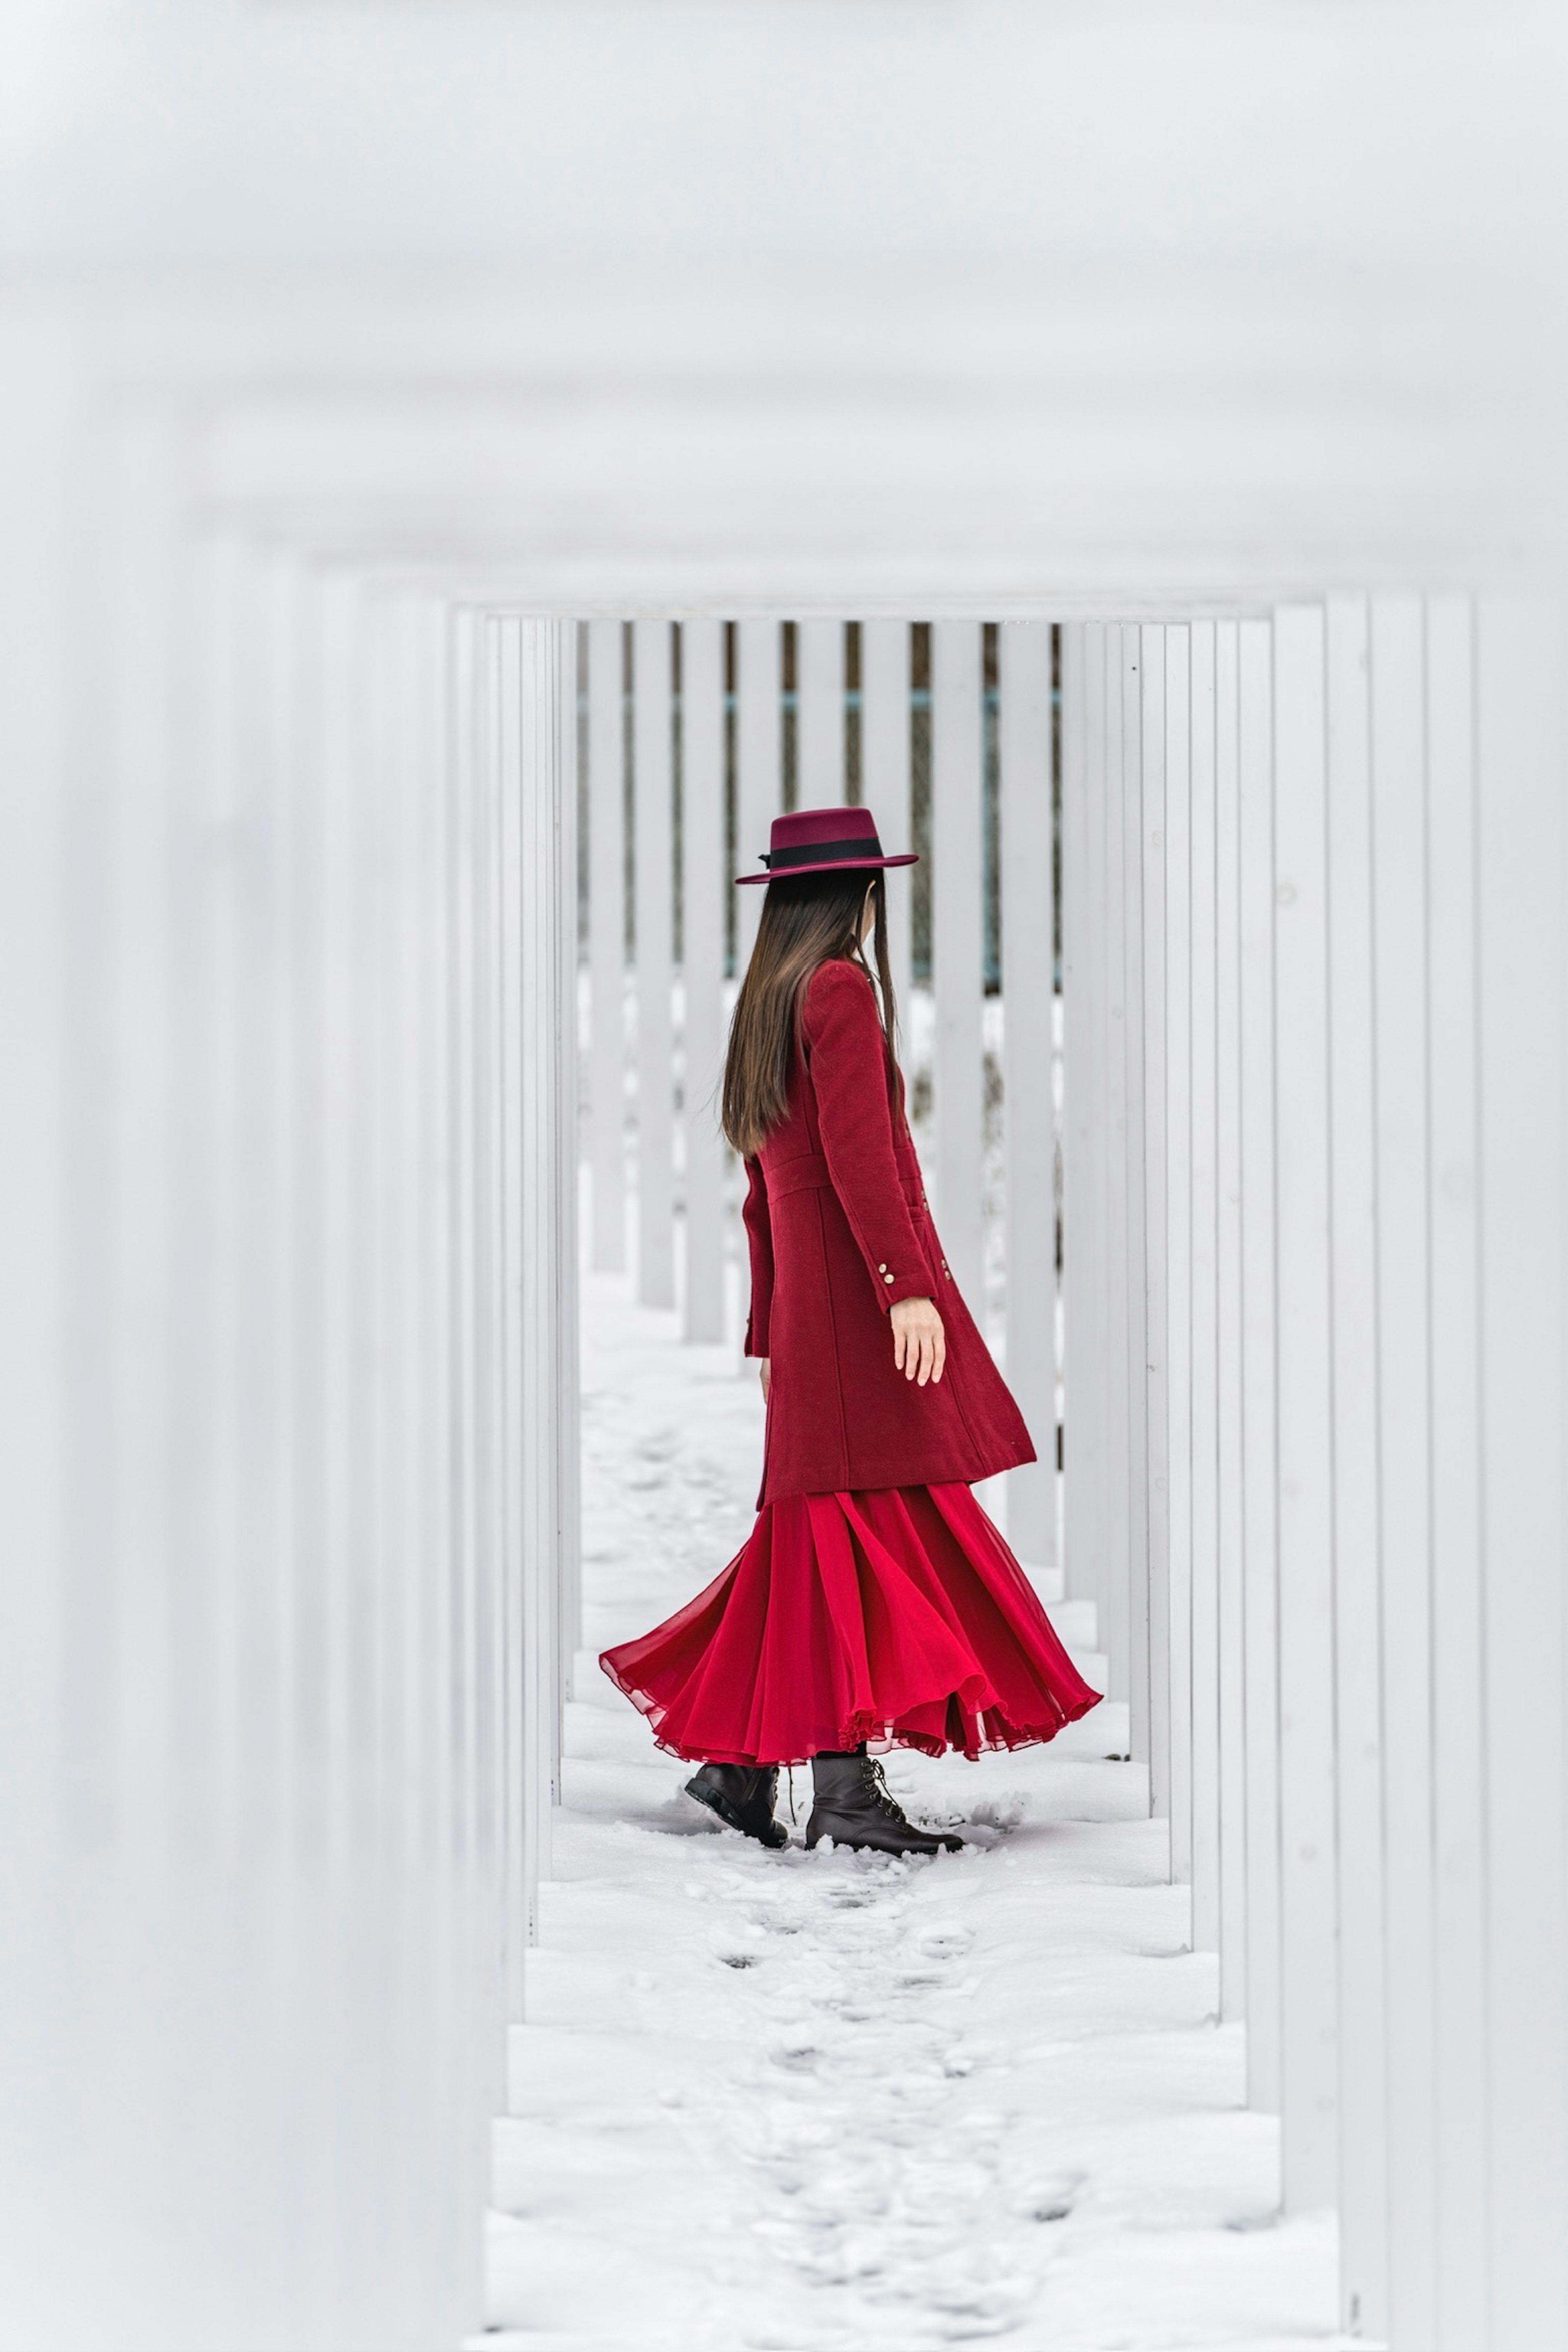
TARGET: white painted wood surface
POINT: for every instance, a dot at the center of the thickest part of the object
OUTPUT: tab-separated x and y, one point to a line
1304	1414
607	941
1083	1141
654	891
1028	983
958	1068
1179	1230
1203	1247
705	885
819	713
1116	1595
1135	1339
759	758
1228	1439
1155	1437
885	781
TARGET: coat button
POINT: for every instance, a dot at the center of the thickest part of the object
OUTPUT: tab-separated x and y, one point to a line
887	1277
883	1267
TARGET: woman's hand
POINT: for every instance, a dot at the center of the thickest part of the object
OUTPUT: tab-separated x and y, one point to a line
766	1367
920	1343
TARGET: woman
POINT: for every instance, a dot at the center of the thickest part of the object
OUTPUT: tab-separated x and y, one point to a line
874	1600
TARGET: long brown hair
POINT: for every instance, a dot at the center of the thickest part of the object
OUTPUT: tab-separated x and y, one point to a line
808	920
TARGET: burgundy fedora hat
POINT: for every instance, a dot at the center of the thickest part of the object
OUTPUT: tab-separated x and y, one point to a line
824	841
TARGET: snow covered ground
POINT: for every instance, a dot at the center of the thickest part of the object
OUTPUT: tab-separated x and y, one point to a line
793	2103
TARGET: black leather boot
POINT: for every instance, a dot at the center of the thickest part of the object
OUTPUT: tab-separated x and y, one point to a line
744	1795
851	1805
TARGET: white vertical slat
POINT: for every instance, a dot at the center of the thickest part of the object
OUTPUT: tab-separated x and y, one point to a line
1115	1617
1363	2180
1083	1431
1304	1414
564	1237
1402	1151
1205	1396
1155	1437
607	940
885	777
1179	1232
1229	1516
1522	752
704	885
1458	1778
1136	1338
958	1067
654	970
1028	980
759	751
1256	915
819	713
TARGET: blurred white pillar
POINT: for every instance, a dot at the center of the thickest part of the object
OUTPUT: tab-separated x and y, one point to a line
819	713
1129	1644
1304	1415
1255	918
607	940
1083	1135
1229	1436
704	885
1179	1234
651	785
1205	1393
1353	1063
562	783
1461	2118
958	1061
1029	999
1522	765
1155	1432
759	752
885	779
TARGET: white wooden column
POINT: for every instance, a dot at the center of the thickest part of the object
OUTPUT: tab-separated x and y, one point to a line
1205	1395
1179	1232
1461	2118
956	911
1255	918
1304	1415
819	713
1358	1611
759	751
1155	1434
884	778
1228	1437
1135	1335
1083	1175
1523	761
1115	1596
565	1238
704	887
1029	992
607	940
651	785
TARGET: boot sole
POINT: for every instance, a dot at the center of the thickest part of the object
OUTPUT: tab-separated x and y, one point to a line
710	1803
927	1841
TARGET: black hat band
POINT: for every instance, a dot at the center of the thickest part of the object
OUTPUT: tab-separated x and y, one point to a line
820	852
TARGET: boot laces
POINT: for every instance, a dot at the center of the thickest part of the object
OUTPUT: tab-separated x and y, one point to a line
881	1796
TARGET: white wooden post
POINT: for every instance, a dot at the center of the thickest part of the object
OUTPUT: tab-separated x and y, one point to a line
1135	1336
819	713
1155	1432
1256	894
563	1033
1205	1397
885	779
1228	1439
1458	1764
655	971
1523	755
958	1062
1357	1606
1179	1234
1304	1415
1029	992
704	887
1111	911
1084	1323
607	939
759	751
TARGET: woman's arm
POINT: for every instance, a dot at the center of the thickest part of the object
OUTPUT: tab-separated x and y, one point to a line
760	1239
849	1071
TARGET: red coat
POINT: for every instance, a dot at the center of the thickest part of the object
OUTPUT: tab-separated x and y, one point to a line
839	1231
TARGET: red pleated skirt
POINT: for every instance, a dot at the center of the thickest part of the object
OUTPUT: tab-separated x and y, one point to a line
895	1615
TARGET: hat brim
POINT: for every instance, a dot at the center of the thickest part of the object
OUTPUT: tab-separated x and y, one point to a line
832	865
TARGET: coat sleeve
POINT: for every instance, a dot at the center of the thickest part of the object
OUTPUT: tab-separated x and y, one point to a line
848	1057
759	1240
